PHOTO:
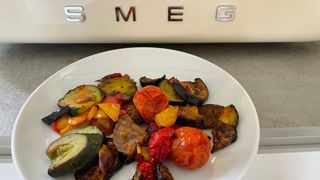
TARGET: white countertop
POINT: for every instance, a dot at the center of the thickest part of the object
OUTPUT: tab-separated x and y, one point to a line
276	166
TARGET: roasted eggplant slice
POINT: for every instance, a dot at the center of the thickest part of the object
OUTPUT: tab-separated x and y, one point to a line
112	84
223	135
189	116
55	115
132	111
163	173
213	113
194	93
144	81
210	113
167	89
81	99
110	160
72	152
93	173
127	134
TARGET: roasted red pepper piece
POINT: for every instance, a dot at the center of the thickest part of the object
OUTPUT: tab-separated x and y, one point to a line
146	169
54	127
112	99
159	144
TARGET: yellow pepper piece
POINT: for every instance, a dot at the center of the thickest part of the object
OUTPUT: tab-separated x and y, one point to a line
167	117
79	119
66	129
100	114
93	111
62	122
111	109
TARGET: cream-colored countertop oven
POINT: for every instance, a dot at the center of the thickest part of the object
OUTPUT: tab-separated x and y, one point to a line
93	21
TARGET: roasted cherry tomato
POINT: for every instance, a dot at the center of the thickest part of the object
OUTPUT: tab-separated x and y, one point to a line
149	101
159	144
190	148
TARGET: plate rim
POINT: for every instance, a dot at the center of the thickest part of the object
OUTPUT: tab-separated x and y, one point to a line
17	120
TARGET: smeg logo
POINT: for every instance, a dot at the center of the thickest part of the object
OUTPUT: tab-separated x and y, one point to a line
224	13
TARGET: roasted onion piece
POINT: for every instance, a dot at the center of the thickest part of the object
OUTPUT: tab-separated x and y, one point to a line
127	134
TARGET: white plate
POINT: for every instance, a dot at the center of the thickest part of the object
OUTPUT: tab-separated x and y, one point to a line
31	137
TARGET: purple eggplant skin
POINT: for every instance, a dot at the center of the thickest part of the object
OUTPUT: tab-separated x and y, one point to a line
108	163
223	135
56	115
144	81
196	96
163	173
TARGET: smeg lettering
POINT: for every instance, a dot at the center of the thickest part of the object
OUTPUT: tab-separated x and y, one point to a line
76	14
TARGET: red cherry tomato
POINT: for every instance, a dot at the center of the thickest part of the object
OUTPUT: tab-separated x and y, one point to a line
191	148
149	101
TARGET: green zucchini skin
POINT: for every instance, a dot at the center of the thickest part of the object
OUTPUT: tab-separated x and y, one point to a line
77	161
71	98
86	130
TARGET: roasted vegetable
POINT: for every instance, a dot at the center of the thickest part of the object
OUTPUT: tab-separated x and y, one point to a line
213	113
62	125
148	171
93	173
149	101
72	152
86	130
190	148
127	134
144	81
55	115
194	93
81	99
167	117
109	161
189	116
132	111
163	173
210	114
223	135
104	124
111	109
159	144
167	89
230	116
116	83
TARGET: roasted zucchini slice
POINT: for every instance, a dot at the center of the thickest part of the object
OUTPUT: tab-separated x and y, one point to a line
144	81
167	89
86	130
72	152
81	99
112	85
223	135
194	93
